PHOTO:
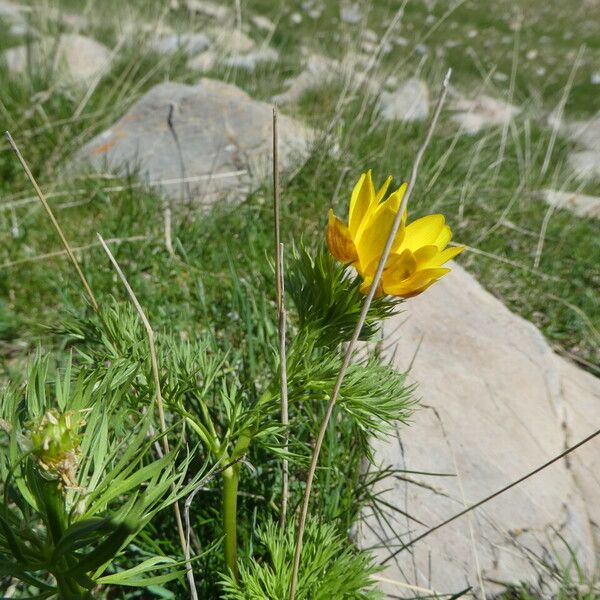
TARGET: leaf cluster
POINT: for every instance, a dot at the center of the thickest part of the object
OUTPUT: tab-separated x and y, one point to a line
328	299
330	567
75	531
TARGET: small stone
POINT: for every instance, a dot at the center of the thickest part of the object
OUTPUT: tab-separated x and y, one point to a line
410	102
370	36
320	70
421	49
585	133
531	54
212	10
483	111
499	76
252	59
473	33
203	62
19	29
580	204
231	41
190	43
263	23
541	71
401	41
351	14
595	78
296	18
78	58
585	164
11	12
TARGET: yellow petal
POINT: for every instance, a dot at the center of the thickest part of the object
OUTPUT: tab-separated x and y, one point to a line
400	266
339	242
423	231
443	237
366	286
415	284
383	189
427	256
363	195
372	240
448	254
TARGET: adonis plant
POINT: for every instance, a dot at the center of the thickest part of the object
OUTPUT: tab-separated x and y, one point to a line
124	468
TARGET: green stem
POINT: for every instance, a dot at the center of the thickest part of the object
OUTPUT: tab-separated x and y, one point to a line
231	479
69	589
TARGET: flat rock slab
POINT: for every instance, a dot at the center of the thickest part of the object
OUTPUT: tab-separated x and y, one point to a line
580	204
496	403
224	141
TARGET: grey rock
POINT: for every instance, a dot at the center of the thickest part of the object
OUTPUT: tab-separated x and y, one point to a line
11	12
225	140
263	23
585	133
585	164
483	111
78	59
580	204
251	60
203	62
351	14
410	102
230	41
496	403
320	70
190	43
213	10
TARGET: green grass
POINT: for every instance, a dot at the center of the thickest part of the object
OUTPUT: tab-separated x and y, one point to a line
489	196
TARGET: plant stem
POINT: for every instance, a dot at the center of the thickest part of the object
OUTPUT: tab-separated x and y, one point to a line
231	479
69	589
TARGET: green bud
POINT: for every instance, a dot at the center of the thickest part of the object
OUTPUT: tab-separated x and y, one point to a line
55	443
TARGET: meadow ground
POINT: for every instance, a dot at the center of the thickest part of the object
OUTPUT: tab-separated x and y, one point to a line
543	264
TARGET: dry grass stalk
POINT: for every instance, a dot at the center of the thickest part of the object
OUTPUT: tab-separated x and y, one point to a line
159	398
281	317
351	345
53	220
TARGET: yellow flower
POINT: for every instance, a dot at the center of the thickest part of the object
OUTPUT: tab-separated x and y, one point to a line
418	251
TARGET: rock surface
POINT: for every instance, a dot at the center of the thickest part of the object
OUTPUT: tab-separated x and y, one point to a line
320	70
189	43
409	102
580	204
224	141
483	111
12	12
496	402
77	58
585	163
251	60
